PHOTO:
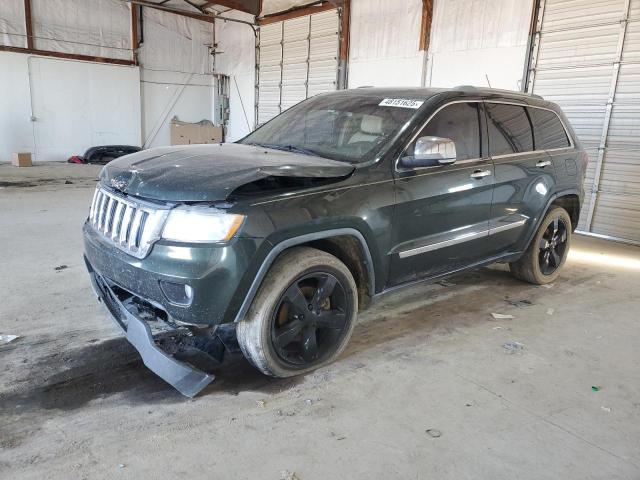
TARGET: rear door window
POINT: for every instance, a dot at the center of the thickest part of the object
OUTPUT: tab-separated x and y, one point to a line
509	129
548	130
458	122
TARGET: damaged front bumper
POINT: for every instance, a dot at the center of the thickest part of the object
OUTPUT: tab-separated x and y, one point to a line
188	380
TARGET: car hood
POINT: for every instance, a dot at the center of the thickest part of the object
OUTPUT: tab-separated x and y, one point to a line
194	173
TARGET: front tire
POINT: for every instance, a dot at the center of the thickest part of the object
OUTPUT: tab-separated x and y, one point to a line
303	315
545	257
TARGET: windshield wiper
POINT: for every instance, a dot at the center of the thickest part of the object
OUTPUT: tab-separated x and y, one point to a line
287	148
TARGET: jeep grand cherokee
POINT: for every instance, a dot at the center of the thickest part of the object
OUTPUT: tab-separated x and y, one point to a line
274	243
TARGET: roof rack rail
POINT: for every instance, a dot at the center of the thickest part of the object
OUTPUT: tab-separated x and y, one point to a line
473	87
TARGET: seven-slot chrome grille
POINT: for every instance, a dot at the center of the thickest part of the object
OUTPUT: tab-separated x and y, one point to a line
131	226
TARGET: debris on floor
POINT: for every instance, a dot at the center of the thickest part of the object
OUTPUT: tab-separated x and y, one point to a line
502	316
8	338
513	347
550	311
606	409
61	267
432	432
519	303
445	283
261	403
596	388
548	285
287	475
283	413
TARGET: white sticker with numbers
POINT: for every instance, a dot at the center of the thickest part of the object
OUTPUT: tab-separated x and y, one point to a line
401	103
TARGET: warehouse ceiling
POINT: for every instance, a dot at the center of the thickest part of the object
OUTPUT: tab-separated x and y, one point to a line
259	8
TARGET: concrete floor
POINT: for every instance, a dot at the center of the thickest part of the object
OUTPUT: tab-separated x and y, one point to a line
76	401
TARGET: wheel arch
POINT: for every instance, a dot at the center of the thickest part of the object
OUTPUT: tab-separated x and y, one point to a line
342	243
560	198
571	203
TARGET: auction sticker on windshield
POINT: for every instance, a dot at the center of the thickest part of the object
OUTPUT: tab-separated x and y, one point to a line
401	102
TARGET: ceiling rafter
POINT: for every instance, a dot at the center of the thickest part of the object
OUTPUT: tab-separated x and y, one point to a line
252	7
204	17
213	8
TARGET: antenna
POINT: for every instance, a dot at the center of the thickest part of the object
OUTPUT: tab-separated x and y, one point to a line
488	82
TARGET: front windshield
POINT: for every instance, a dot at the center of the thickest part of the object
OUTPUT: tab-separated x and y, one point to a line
352	128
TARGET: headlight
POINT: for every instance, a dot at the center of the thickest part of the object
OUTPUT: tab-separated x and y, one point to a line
200	225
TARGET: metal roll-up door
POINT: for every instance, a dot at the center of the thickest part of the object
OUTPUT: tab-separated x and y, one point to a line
295	61
269	71
586	58
297	58
324	44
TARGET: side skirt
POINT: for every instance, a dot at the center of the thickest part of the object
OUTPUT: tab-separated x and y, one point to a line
506	257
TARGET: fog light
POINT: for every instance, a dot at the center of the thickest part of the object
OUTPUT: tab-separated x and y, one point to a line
177	293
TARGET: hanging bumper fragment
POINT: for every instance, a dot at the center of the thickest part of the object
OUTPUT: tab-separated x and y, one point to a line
188	380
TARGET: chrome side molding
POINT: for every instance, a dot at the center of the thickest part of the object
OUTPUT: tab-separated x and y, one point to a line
462	238
446	243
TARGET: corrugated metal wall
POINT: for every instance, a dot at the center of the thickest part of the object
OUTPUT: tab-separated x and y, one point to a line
298	58
586	57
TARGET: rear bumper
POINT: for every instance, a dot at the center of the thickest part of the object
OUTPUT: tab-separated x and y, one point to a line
184	378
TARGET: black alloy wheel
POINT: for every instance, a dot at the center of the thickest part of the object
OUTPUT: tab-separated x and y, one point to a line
552	247
310	320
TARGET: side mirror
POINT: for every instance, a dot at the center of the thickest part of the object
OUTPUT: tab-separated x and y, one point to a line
430	152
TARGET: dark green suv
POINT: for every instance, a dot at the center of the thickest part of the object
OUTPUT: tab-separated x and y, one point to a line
272	244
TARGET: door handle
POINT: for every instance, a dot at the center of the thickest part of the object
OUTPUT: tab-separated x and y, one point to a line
480	174
543	163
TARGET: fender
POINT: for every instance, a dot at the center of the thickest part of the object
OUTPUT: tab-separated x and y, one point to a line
292	242
534	228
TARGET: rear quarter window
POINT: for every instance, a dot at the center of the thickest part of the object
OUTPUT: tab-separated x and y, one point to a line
549	133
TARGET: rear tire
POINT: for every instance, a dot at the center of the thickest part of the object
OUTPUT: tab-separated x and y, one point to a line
302	316
545	257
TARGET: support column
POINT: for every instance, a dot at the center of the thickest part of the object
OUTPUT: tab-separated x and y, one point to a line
28	22
425	37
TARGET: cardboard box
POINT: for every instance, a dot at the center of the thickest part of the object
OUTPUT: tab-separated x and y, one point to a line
21	159
183	133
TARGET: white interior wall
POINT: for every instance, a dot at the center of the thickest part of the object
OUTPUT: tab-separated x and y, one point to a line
166	95
236	44
77	105
384	43
16	132
87	27
82	104
175	43
475	39
74	105
12	26
176	74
